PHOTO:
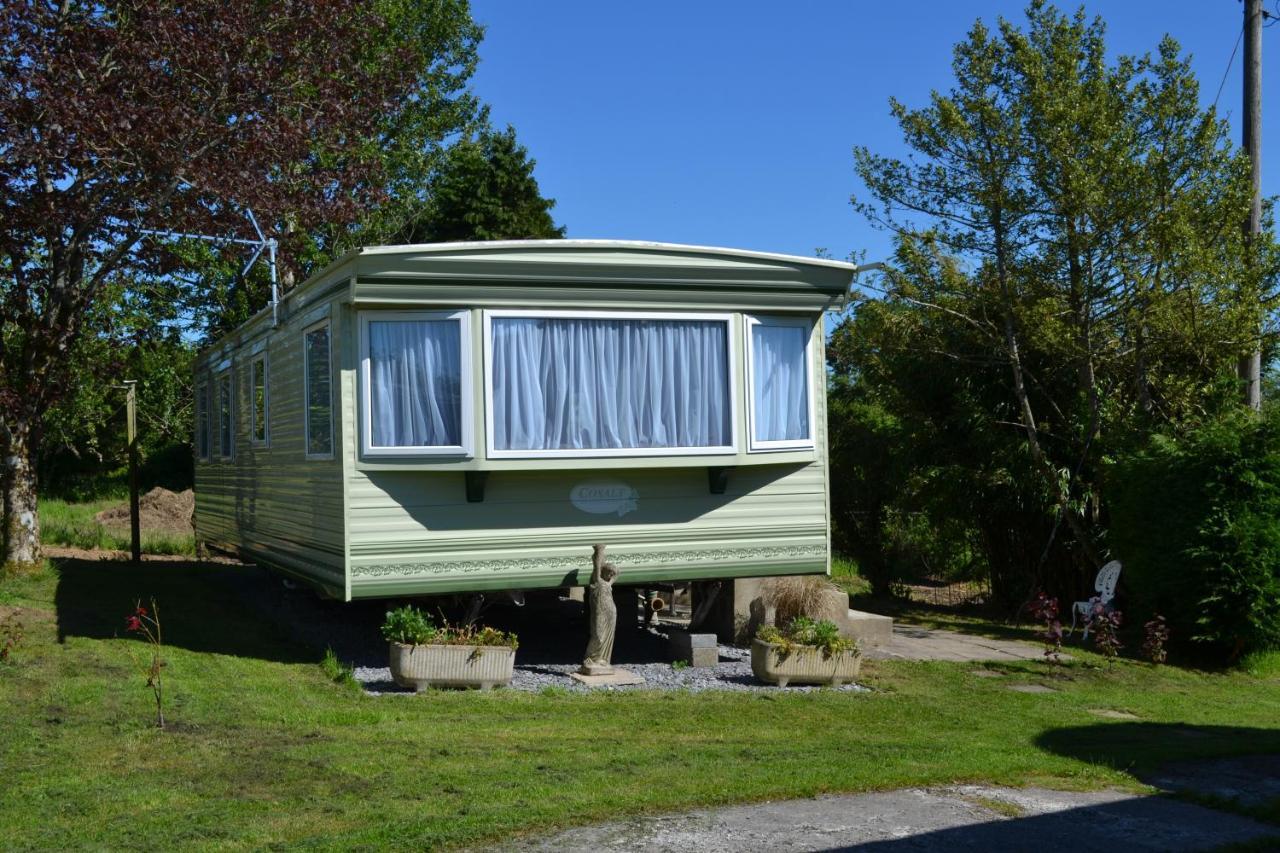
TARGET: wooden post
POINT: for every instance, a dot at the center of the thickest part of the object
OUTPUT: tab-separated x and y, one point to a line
135	529
1250	366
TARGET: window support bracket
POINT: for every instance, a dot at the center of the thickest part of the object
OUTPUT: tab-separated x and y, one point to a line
475	481
718	479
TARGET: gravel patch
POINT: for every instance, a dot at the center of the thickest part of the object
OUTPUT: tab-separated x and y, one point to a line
733	673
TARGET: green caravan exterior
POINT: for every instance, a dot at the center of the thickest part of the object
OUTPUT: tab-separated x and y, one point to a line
464	417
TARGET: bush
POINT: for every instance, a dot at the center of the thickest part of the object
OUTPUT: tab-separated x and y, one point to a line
412	627
821	634
1196	522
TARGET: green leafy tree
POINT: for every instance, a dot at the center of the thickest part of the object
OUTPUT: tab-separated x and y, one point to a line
1069	277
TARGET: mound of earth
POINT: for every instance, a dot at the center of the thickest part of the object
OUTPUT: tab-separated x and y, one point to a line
159	511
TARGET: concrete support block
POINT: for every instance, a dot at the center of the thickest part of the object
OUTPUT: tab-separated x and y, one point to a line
697	649
578	593
871	630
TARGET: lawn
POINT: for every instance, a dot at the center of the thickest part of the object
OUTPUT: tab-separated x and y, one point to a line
73	525
265	748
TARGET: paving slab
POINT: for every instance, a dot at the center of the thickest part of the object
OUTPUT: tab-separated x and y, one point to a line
914	642
968	817
1250	780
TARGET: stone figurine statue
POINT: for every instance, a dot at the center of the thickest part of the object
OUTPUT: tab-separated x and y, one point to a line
604	616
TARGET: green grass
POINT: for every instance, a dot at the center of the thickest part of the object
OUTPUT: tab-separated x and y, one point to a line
844	574
72	525
268	747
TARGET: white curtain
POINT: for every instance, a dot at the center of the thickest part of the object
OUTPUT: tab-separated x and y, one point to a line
781	382
415	383
563	384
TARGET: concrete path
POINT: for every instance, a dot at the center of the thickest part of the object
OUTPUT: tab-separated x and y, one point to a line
969	817
912	642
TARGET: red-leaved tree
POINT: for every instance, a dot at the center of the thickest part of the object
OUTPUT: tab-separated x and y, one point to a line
121	117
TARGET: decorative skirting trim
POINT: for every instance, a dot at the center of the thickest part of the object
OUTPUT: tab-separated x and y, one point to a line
570	564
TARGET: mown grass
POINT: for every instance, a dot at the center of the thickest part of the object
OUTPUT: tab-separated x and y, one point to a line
269	747
72	525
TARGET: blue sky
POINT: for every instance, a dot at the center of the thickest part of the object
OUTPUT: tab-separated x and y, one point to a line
731	123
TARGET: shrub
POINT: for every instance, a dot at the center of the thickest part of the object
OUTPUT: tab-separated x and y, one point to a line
412	627
1104	624
1045	611
1156	636
1195	520
821	634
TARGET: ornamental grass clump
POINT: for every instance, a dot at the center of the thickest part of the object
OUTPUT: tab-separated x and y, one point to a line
411	627
821	634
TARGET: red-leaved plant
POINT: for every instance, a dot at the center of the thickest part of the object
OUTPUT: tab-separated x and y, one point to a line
147	623
1157	634
1104	624
1045	610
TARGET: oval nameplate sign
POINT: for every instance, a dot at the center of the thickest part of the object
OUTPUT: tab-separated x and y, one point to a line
604	497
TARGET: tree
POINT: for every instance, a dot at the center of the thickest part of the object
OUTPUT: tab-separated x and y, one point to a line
484	189
1068	269
165	115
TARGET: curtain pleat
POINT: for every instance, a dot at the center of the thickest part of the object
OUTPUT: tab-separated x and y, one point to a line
415	383
581	384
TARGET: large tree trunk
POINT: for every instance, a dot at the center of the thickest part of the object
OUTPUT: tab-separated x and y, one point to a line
21	523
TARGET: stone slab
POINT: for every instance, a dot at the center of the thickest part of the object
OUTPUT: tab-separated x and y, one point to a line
915	642
617	678
701	650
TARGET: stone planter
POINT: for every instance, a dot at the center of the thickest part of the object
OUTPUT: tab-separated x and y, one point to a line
451	666
804	665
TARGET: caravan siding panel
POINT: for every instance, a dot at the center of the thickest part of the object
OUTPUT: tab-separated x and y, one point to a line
269	502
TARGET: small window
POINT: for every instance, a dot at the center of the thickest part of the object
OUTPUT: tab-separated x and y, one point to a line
582	384
781	383
416	383
226	419
202	420
318	391
258	430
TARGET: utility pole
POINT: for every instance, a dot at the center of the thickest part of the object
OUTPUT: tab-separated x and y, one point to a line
135	528
1249	369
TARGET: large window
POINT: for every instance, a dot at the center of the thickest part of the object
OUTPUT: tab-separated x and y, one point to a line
781	410
226	416
258	430
416	383
202	420
577	384
317	391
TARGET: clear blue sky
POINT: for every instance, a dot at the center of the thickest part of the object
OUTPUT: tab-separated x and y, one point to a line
731	123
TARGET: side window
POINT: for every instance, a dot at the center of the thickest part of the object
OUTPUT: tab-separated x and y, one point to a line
317	391
781	382
226	416
258	402
202	420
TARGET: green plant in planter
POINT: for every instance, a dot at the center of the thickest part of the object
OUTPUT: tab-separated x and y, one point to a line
821	634
410	626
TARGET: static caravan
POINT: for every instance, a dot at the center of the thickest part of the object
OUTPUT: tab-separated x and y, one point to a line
465	417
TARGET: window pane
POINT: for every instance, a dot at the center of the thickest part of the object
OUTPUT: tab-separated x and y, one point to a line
225	424
781	382
260	400
202	421
563	384
415	383
317	392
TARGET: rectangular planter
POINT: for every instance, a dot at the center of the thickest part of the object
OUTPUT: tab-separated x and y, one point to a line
451	666
803	665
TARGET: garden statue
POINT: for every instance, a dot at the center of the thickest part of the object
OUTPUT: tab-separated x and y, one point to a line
604	616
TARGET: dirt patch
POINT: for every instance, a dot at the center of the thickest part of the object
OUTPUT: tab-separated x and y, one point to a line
159	511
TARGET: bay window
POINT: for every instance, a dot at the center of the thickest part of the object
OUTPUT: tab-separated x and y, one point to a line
582	384
781	387
416	383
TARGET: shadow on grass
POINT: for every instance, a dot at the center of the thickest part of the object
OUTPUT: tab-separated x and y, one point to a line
205	607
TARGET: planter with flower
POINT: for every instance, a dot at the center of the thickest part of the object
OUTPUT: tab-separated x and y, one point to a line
805	651
426	655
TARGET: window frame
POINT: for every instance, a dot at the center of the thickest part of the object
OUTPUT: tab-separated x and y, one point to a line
204	436
750	321
731	356
227	374
265	441
306	391
464	450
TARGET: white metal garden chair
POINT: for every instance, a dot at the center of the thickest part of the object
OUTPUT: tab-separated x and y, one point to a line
1105	585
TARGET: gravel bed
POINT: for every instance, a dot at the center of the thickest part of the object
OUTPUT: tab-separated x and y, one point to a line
733	673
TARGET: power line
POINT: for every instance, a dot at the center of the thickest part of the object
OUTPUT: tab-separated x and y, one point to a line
1230	62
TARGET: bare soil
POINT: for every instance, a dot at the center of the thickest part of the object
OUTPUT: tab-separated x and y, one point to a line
159	511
